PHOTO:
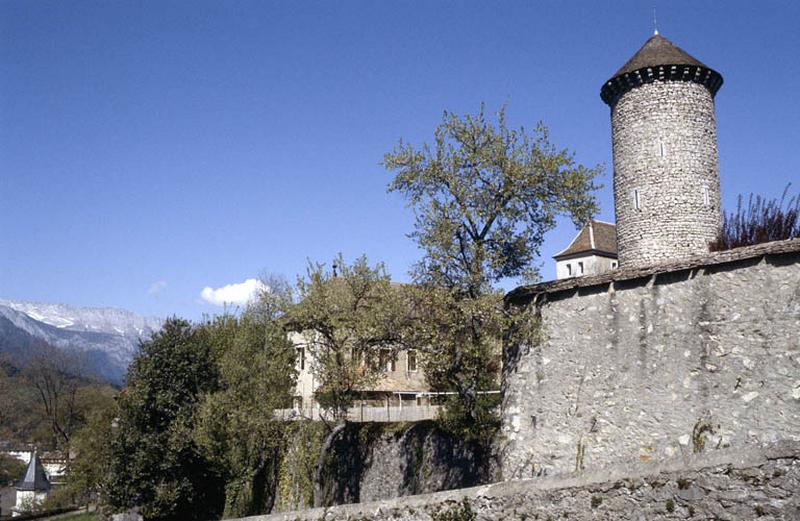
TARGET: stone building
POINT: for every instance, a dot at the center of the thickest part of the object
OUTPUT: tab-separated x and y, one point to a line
403	382
591	252
664	139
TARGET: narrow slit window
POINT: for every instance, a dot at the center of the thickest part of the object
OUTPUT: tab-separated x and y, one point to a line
661	150
569	270
613	264
706	196
301	356
580	268
637	199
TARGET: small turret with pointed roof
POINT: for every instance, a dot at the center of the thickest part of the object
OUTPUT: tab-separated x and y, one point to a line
35	478
664	139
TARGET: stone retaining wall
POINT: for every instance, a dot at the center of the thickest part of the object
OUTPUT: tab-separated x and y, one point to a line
657	366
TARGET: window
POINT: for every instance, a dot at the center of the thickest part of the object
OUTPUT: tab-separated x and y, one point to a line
387	360
613	264
580	268
706	196
301	357
637	200
412	360
569	270
662	151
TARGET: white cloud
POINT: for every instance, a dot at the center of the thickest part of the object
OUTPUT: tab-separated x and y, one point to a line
157	287
237	294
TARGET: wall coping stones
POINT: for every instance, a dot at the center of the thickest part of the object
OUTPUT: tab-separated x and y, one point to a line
595	481
524	294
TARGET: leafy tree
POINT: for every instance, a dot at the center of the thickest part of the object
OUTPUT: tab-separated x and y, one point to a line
236	425
349	316
156	464
91	452
11	469
484	195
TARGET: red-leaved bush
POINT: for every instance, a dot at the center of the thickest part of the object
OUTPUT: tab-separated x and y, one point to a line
760	221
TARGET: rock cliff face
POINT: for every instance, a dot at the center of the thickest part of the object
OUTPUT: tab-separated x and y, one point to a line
373	461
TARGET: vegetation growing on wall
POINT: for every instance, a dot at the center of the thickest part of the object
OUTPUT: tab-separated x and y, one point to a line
298	464
762	220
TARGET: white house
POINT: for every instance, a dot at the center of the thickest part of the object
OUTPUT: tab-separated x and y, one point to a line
592	251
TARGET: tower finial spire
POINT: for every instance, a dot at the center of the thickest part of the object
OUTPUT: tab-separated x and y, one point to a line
655	22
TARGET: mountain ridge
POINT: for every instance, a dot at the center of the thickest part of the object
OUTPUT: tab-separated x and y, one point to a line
106	338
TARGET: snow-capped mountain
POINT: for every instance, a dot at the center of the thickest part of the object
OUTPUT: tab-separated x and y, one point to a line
107	337
104	320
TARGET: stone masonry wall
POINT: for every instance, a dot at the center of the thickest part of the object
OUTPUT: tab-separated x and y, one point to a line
664	138
723	485
655	368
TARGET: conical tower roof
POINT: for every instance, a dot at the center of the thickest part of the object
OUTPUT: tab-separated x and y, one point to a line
659	59
658	51
34	478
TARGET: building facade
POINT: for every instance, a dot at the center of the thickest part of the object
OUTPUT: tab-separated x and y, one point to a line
402	383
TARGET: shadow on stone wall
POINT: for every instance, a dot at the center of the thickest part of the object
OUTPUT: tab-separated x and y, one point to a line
373	461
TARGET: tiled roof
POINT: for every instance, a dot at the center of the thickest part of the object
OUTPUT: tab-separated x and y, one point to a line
597	237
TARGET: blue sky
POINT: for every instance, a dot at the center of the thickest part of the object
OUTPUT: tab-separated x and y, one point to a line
151	149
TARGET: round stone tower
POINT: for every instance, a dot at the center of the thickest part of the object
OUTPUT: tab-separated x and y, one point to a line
664	138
